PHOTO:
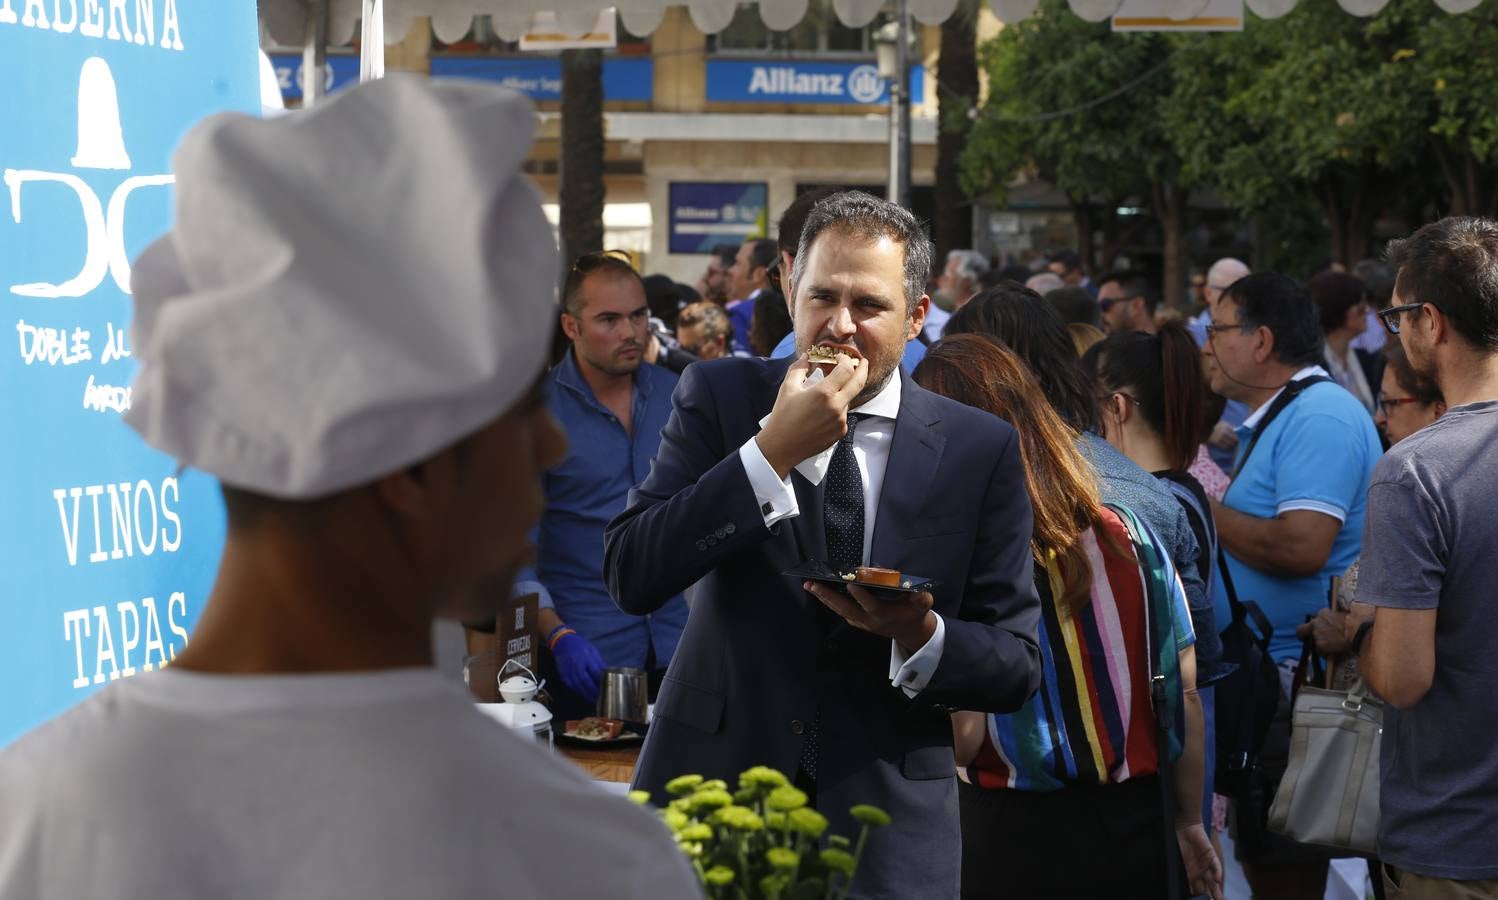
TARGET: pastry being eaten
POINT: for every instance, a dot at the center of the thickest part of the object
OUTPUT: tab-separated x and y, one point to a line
824	358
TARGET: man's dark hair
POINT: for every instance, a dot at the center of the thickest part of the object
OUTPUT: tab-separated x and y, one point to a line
614	262
762	252
1032	328
1281	304
1378	278
862	215
664	298
726	253
1453	265
1070	260
788	230
1016	272
1334	293
1076	306
771	322
1134	283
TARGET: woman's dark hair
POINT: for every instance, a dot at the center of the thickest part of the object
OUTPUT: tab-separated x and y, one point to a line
1032	328
1163	372
770	322
1334	293
664	298
1420	386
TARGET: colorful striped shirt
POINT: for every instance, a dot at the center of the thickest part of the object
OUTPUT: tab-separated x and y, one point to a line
1091	721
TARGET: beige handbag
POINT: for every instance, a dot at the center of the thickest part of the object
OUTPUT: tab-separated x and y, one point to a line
1329	795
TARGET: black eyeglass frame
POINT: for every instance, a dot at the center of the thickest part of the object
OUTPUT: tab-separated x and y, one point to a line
1390	316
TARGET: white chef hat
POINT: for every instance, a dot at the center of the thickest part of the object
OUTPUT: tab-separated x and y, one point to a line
346	290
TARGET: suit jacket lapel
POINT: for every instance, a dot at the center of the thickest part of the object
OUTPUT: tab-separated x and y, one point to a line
914	455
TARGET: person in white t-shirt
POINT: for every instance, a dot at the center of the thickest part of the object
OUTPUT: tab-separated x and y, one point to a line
347	327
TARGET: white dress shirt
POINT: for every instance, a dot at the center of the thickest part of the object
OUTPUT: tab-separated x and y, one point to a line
871	443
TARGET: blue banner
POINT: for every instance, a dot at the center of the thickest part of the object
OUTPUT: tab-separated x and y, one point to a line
338	72
107	553
705	214
776	81
540	78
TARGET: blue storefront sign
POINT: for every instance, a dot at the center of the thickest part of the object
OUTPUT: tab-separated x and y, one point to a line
338	72
705	214
107	552
540	78
776	81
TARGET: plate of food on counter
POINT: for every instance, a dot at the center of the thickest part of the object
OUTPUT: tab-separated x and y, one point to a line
878	580
598	730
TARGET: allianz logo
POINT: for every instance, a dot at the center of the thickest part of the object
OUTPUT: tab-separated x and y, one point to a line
861	85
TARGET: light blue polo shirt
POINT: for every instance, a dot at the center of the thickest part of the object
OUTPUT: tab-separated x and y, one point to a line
1317	454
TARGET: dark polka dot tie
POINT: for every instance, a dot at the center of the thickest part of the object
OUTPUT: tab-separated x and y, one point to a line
842	518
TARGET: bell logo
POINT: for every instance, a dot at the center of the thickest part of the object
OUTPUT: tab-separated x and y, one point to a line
865	85
101	146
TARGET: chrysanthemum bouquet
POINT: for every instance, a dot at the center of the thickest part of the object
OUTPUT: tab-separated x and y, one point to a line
762	842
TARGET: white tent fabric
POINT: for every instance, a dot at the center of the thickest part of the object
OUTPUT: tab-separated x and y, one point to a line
285	19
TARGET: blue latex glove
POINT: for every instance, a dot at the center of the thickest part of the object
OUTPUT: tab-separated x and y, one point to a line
580	665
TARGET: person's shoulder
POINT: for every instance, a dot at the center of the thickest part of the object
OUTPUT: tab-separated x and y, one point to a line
658	376
65	758
1327	398
962	419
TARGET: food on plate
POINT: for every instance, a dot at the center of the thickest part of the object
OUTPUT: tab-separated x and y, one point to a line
594	728
823	358
881	577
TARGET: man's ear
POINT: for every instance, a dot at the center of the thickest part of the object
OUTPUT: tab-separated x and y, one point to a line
406	491
571	327
1265	350
1437	323
786	264
918	317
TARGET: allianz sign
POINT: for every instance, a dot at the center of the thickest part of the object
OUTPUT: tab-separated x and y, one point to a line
861	84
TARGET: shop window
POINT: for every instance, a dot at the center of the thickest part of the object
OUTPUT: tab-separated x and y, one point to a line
818	33
482	40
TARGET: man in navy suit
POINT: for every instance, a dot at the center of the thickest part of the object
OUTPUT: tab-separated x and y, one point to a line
765	464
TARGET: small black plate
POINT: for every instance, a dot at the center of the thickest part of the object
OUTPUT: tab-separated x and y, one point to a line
813	570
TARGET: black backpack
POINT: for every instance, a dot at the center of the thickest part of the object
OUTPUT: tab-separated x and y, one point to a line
1247	698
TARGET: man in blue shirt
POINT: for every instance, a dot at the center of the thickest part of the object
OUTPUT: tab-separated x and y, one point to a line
1293	517
612	406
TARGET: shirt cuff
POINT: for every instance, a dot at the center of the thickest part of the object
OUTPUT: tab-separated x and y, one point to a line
776	499
912	674
522	588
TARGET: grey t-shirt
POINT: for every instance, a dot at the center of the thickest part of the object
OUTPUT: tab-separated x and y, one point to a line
1429	542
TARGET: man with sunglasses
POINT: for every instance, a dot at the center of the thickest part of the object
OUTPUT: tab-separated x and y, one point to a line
1127	302
1424	622
1291	519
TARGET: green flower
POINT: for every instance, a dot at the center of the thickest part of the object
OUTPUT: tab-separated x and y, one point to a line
683	785
807	821
639	798
839	841
693	851
739	818
762	777
717	784
696	831
776	820
785	799
719	876
838	861
675	819
681	804
714	799
745	796
870	815
774	885
783	858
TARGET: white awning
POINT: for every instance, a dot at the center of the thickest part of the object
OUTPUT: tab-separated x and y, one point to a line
451	19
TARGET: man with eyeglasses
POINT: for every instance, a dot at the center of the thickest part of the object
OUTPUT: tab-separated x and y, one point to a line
1291	519
612	405
1424	624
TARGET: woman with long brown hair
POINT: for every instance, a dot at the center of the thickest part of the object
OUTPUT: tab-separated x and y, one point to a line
1063	798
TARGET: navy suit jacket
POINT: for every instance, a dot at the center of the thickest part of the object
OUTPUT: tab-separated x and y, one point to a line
760	660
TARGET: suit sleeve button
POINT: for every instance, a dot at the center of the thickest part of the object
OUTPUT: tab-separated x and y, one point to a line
702	545
729	528
797	726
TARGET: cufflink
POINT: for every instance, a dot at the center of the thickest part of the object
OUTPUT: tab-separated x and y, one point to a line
722	533
766	509
701	545
729	528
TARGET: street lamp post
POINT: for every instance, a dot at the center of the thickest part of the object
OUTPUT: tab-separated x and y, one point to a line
892	44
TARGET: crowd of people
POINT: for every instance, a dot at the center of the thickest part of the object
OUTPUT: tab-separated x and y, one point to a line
1097	489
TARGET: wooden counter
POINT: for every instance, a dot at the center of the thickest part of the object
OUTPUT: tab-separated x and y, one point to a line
616	764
